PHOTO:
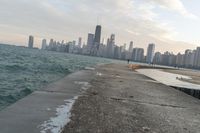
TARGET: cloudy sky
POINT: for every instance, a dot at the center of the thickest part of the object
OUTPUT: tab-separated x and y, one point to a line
173	25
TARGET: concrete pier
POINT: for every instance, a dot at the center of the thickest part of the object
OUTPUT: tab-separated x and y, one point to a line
118	100
123	101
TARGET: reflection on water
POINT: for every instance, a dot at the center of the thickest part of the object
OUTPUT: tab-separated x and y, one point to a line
169	79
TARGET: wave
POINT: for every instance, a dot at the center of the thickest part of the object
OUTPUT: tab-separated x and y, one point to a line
11	98
15	67
7	99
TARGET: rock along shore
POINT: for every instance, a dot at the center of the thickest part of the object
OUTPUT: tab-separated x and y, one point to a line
123	101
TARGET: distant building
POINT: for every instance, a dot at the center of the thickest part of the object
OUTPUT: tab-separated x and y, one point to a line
197	58
179	60
117	52
150	53
157	58
50	47
30	41
96	42
79	42
97	37
90	39
138	54
189	58
110	46
74	42
130	50
44	44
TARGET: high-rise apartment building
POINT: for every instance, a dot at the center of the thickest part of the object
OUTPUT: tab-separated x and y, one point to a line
138	54
150	53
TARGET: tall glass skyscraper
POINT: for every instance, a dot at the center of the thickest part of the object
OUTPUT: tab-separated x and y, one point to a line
97	36
150	53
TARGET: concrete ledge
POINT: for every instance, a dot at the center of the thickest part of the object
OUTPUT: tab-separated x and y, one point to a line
27	114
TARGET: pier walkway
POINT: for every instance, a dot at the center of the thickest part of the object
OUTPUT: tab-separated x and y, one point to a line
124	101
112	99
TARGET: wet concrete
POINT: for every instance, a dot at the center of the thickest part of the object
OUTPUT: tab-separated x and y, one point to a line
123	101
27	114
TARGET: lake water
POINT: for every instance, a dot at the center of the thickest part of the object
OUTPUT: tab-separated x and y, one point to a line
24	70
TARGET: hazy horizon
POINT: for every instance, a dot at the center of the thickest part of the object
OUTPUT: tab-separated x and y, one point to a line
173	25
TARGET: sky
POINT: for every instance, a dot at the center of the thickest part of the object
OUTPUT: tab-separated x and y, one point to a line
173	25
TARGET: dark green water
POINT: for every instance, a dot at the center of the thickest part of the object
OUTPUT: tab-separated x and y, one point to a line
24	70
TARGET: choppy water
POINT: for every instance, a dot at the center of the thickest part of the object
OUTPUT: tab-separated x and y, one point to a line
24	70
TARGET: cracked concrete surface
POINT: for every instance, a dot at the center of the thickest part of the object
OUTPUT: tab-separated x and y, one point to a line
123	101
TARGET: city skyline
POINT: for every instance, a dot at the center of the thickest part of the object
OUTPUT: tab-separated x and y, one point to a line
172	25
94	47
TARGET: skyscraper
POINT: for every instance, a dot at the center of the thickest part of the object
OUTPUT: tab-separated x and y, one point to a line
30	41
44	44
150	53
138	54
90	39
79	42
110	46
157	58
131	47
97	37
130	50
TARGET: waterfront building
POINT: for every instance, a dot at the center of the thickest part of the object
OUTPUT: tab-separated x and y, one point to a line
197	58
74	42
157	58
30	41
150	53
172	60
90	39
188	58
110	46
130	50
138	54
79	42
97	36
117	54
50	47
44	44
179	60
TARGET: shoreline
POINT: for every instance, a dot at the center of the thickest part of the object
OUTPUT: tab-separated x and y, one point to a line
47	109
